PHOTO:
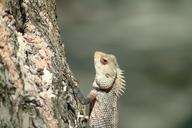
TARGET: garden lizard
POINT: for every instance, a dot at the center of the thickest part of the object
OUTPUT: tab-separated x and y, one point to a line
108	85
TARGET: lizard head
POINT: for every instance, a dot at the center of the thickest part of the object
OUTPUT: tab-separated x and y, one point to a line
108	72
105	64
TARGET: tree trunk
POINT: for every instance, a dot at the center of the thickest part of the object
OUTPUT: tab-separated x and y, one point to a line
35	79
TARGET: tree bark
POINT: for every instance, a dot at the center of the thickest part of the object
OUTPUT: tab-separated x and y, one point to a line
35	79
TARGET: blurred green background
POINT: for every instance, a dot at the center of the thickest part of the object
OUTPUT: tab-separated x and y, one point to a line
152	40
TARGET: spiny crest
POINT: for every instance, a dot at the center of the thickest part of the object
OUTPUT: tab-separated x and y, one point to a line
120	83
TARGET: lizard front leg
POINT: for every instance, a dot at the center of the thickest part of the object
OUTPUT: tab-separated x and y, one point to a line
85	100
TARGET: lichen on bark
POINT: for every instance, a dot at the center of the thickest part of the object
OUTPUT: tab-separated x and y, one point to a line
35	79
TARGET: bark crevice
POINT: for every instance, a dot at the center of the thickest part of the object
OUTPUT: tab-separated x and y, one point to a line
17	10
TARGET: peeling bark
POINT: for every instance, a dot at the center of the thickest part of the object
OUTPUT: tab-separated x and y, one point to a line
35	79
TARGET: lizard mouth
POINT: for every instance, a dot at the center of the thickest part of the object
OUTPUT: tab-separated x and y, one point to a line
97	55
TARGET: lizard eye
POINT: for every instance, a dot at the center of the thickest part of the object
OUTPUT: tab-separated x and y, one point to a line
104	60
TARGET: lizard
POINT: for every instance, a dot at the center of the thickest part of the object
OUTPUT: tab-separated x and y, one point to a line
108	85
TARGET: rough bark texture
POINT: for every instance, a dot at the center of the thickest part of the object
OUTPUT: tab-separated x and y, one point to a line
35	79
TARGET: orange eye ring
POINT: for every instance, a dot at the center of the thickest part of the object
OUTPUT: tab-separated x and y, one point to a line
104	61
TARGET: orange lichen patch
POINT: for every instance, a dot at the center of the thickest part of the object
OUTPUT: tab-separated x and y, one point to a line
47	109
48	54
1	7
40	63
6	52
2	2
42	58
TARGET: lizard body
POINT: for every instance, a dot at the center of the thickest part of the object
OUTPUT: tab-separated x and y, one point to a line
107	87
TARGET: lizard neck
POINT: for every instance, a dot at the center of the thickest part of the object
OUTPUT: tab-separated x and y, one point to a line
97	86
103	90
104	84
